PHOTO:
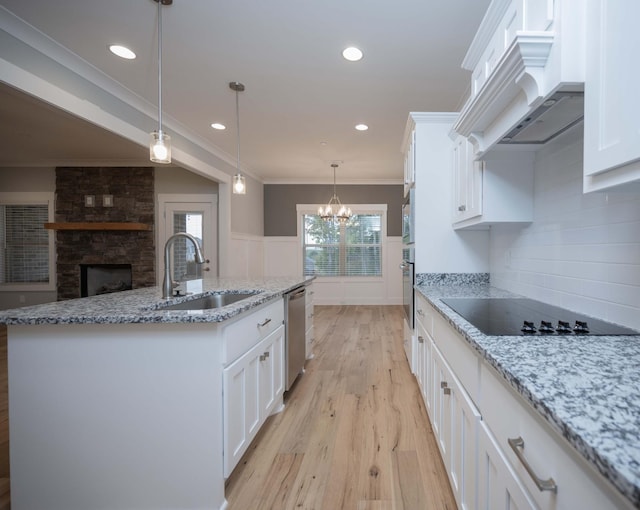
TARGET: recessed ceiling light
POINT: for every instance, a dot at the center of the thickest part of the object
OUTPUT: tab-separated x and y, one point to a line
352	54
362	127
217	125
122	51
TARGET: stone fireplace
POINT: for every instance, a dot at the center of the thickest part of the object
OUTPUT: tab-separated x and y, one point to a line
130	200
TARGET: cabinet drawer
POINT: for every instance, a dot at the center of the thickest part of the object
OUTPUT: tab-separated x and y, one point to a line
464	361
509	416
424	313
239	336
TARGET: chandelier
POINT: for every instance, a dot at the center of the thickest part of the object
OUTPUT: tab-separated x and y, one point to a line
334	210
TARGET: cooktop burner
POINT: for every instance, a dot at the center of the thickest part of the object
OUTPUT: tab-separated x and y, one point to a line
520	316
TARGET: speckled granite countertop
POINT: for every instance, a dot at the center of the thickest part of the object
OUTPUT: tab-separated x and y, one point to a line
145	305
586	387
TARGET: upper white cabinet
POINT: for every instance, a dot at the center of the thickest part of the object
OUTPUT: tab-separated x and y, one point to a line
409	151
438	248
497	190
612	102
524	51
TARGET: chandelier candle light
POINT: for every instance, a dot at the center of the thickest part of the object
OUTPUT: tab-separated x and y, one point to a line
334	210
239	184
160	143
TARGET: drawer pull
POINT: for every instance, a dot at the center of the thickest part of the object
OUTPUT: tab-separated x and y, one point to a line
462	208
264	356
443	384
420	312
420	339
262	324
447	391
517	445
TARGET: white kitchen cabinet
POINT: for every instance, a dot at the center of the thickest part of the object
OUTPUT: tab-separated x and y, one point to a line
498	190
612	102
409	150
467	181
549	457
308	314
252	377
499	488
252	385
458	421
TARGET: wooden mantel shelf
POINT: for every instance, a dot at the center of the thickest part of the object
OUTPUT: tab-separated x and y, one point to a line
97	226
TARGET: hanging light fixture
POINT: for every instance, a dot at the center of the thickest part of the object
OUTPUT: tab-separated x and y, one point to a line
334	210
239	184
160	142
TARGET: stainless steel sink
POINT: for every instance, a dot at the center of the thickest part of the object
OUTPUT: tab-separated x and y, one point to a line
209	302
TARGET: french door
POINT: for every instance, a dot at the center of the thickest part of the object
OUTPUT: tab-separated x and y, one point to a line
195	216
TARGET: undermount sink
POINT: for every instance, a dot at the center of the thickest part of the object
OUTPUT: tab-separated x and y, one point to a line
210	301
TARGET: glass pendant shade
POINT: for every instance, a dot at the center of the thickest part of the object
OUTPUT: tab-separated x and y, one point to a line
160	147
239	185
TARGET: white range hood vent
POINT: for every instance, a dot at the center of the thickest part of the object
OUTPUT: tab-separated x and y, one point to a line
560	112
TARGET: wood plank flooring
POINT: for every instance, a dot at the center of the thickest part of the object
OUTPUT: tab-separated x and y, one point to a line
354	434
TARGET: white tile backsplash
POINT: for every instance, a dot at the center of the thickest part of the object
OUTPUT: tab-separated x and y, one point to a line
581	251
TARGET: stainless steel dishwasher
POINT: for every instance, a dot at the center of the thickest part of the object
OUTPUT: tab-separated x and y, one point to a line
294	333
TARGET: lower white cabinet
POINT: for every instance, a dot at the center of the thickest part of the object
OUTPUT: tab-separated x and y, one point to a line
499	454
499	488
251	385
457	421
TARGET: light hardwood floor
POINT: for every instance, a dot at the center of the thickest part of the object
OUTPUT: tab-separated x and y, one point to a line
354	434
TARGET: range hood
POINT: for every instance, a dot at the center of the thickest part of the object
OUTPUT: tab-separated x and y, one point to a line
558	113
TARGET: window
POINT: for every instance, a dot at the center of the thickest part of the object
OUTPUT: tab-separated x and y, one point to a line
26	248
353	248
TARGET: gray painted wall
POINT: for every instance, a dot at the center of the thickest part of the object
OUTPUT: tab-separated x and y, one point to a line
247	210
280	202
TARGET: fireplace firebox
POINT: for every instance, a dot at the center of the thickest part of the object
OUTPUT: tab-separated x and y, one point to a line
104	278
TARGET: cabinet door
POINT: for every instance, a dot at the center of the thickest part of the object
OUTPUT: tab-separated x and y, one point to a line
271	361
410	164
465	420
468	181
499	487
441	405
241	408
612	102
420	372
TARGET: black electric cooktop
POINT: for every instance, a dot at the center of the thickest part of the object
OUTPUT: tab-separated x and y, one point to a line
520	316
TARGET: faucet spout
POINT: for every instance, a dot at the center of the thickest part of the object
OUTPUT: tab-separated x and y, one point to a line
167	284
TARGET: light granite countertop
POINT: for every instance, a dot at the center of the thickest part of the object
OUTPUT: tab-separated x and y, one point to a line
587	388
141	306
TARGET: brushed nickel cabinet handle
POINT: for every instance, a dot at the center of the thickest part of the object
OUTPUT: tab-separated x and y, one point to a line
262	324
420	339
420	312
517	445
443	384
462	208
447	391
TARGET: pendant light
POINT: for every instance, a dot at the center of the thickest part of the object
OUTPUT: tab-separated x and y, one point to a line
239	183
334	210
160	142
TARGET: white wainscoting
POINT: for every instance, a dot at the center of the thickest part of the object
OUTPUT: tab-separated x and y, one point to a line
283	257
246	256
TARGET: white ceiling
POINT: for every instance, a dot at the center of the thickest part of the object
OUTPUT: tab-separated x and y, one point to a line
299	90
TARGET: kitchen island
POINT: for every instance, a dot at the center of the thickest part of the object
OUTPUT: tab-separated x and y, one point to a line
117	402
585	389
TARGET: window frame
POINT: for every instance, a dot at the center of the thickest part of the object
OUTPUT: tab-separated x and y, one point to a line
302	209
35	198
